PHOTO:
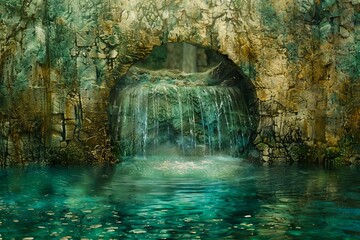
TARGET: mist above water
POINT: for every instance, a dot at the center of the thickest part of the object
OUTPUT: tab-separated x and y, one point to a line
195	167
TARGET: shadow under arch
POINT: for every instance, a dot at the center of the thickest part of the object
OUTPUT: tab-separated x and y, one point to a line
175	66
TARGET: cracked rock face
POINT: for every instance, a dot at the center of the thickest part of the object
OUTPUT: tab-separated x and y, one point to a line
59	60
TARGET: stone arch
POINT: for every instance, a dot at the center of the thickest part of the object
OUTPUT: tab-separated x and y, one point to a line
224	68
239	53
121	44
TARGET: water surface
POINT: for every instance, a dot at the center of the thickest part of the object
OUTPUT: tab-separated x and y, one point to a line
180	198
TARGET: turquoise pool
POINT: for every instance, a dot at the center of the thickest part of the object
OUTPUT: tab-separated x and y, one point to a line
180	198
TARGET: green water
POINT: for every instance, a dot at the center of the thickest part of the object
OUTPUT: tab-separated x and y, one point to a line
180	198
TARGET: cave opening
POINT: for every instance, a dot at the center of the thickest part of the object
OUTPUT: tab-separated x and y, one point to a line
183	99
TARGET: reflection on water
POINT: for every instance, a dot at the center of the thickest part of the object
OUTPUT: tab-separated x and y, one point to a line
180	198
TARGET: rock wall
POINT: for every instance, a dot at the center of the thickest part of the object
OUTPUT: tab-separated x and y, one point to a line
59	61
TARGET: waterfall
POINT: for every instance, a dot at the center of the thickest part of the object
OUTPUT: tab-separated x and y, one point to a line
173	113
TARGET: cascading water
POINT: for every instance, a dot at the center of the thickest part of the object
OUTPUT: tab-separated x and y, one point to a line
172	112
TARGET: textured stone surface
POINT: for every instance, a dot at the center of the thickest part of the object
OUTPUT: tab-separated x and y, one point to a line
59	61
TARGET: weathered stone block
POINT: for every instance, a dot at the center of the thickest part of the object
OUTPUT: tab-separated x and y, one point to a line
85	37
